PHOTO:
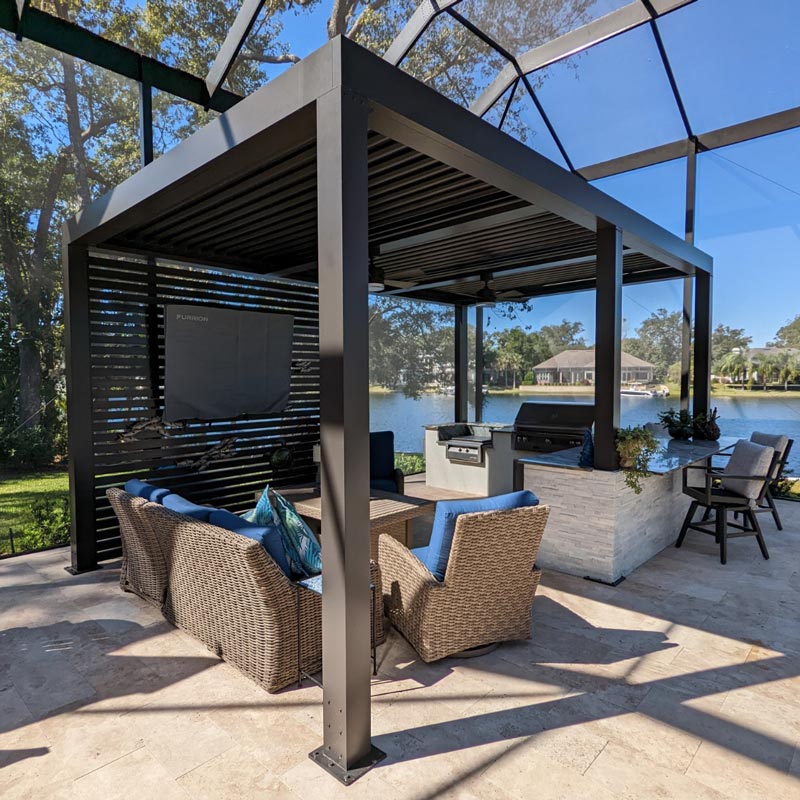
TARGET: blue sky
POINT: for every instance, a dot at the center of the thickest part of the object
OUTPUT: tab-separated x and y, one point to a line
733	60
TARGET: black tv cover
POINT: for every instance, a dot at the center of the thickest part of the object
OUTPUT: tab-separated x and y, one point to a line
221	363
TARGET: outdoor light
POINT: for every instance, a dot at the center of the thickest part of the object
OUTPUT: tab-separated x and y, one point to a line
376	283
486	297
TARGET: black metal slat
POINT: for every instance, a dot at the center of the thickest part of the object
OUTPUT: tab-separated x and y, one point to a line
124	366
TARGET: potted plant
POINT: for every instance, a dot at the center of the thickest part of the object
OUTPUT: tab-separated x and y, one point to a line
635	446
679	424
705	426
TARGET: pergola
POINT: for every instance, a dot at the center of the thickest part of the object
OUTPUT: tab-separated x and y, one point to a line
341	160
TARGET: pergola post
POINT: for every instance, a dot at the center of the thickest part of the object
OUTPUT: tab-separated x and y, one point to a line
702	342
478	363
461	358
608	344
342	119
686	327
79	408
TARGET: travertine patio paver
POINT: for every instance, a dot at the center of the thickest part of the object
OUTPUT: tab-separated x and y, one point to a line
682	682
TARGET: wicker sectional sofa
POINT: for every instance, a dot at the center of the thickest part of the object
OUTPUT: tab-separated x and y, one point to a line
225	590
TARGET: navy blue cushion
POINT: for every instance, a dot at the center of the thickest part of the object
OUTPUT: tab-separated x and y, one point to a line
268	535
587	451
448	511
175	502
381	455
383	485
148	491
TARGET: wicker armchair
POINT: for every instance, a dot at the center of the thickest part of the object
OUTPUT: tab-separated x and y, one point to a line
226	591
144	571
487	591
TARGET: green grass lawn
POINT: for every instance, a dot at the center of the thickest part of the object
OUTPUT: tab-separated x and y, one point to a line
18	490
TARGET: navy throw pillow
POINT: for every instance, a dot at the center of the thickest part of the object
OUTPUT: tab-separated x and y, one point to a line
148	491
181	505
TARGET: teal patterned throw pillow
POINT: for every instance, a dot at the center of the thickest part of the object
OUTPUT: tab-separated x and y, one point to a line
263	514
300	543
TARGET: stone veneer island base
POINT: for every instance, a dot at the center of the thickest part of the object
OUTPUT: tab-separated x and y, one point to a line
599	528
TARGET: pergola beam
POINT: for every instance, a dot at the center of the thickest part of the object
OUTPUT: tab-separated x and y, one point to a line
66	37
713	140
234	42
414	28
607	27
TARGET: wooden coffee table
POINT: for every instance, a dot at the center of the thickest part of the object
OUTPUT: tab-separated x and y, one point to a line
388	513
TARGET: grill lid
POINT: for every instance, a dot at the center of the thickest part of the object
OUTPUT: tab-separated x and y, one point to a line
536	416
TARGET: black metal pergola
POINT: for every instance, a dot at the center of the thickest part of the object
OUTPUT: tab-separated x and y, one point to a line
342	159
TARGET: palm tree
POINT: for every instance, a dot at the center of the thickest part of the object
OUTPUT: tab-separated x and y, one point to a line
767	365
790	370
735	365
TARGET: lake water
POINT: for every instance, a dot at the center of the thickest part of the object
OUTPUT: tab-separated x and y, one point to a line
739	416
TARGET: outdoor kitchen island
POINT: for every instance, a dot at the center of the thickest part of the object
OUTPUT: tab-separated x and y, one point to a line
600	528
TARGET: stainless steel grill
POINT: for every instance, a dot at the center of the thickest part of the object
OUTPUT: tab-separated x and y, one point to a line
548	427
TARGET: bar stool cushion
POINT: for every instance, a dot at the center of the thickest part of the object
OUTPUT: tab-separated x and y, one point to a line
776	441
747	459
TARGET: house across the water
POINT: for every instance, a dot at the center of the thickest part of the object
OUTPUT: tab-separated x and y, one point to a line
577	367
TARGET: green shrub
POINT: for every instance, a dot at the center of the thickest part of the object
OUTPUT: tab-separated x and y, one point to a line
529	378
49	527
409	463
30	448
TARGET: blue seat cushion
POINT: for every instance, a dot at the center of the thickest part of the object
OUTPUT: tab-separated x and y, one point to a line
448	511
149	491
381	455
268	535
421	553
383	485
313	584
181	505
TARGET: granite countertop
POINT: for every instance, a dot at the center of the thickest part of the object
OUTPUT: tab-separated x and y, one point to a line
496	427
672	455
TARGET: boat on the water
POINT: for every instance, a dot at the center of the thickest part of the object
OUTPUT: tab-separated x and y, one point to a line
640	390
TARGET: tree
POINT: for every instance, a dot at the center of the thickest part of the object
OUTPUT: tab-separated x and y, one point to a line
735	365
788	335
68	133
724	339
410	344
657	340
769	365
69	130
790	371
564	336
517	351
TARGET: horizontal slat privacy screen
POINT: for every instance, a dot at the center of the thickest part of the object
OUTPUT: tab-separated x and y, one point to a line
127	299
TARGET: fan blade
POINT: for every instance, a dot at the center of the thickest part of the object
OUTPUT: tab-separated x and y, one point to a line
400	284
511	294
